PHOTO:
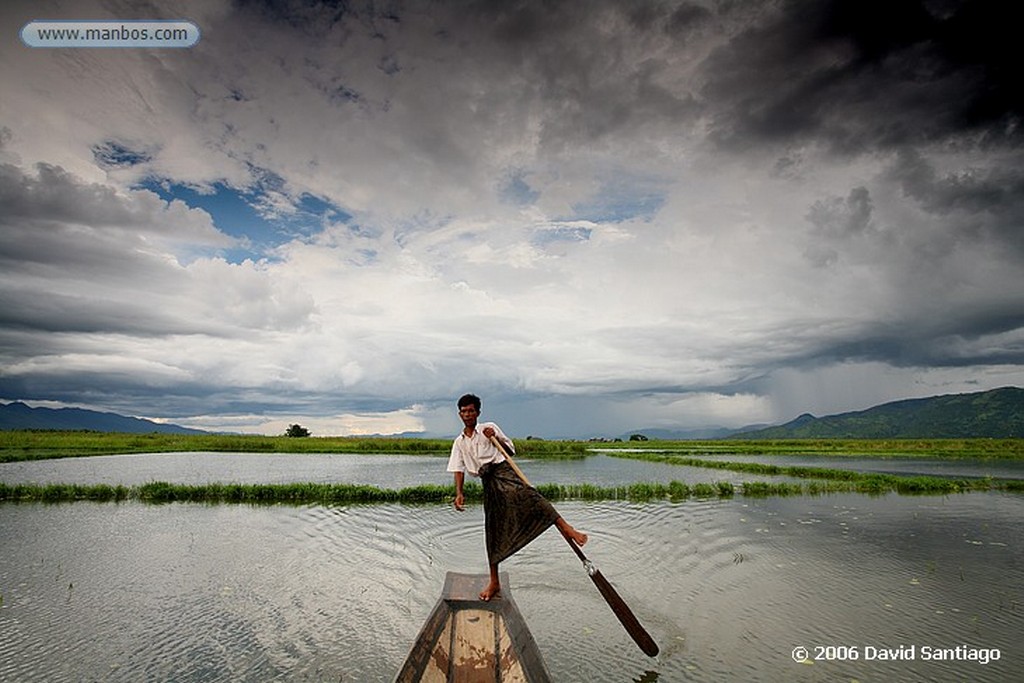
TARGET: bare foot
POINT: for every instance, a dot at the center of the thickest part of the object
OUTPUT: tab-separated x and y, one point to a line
570	532
492	589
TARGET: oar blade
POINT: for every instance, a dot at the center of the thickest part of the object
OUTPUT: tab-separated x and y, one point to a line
625	615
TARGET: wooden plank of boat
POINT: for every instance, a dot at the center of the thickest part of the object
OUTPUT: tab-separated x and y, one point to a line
467	640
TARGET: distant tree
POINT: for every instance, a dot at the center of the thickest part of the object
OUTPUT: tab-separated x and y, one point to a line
637	437
296	431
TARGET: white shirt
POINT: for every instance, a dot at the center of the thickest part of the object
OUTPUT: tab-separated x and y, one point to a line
469	454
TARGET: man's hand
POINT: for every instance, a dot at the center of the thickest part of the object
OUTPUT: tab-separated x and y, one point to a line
488	432
460	500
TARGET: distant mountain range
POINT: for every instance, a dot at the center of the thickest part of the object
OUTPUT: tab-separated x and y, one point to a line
997	414
20	416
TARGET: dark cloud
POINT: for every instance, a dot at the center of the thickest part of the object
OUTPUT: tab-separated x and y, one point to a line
841	217
588	73
860	75
836	220
971	190
81	257
687	18
969	340
56	194
986	201
54	225
128	391
52	312
316	18
56	228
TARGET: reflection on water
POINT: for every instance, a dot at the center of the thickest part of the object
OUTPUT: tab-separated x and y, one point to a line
728	588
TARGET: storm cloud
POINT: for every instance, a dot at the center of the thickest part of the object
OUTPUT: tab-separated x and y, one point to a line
647	214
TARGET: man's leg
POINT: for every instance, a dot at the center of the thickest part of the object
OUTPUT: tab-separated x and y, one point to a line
569	532
494	587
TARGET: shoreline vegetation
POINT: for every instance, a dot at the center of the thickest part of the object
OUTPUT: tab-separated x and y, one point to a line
16	445
353	494
36	445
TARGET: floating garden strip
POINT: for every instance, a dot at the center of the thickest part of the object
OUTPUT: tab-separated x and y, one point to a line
863	482
299	493
947	449
347	494
17	445
315	493
43	444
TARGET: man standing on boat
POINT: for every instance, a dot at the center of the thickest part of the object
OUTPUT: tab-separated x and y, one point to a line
514	513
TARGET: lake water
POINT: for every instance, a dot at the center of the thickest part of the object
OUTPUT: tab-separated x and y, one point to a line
385	471
729	588
399	471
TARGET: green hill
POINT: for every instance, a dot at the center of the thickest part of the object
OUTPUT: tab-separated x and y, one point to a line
998	413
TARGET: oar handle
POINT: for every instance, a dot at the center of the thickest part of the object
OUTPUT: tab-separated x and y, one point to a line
508	457
622	612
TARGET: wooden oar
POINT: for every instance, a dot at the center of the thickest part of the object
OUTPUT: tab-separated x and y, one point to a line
625	615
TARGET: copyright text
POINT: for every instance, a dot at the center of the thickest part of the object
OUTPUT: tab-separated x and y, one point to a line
924	653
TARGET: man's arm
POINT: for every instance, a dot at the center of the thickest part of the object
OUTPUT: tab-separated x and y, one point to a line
460	478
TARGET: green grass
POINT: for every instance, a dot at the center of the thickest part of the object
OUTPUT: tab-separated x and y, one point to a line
338	494
1012	449
18	445
325	494
29	445
839	480
346	494
41	444
297	494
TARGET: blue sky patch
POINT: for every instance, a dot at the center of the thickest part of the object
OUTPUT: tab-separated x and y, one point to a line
245	214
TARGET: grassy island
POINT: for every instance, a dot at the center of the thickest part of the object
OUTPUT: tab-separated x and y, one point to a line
712	455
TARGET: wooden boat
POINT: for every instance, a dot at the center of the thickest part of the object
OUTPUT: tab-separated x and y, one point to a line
468	640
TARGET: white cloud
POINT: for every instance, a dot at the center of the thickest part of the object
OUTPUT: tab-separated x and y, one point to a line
614	209
348	424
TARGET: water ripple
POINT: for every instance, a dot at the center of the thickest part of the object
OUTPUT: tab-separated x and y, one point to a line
727	587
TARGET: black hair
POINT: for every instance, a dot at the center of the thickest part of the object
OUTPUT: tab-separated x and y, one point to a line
470	400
